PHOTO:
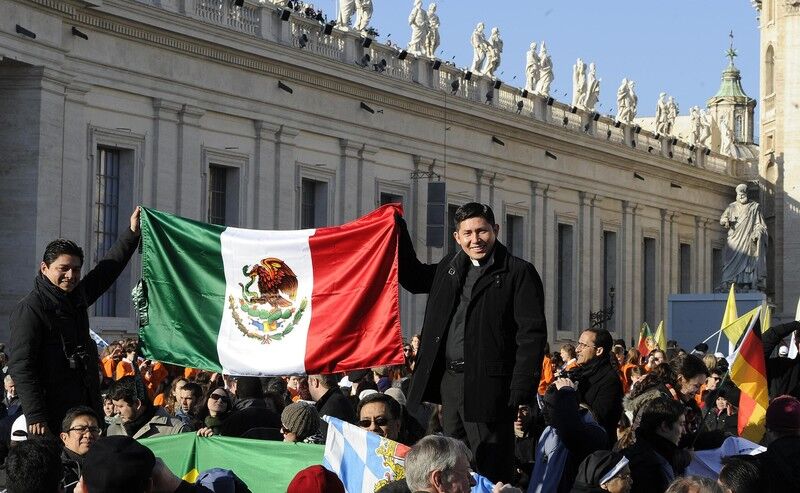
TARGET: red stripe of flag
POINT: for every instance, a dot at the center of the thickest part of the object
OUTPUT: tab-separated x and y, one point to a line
355	320
749	372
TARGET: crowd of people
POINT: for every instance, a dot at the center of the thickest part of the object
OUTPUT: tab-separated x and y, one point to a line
479	391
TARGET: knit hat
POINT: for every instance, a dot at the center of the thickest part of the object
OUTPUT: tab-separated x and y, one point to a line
301	418
397	395
783	414
599	468
315	479
115	463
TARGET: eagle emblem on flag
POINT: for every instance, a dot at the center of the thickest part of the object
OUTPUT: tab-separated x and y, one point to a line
271	313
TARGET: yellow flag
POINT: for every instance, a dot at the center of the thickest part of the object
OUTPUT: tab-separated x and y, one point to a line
766	318
661	337
728	317
734	330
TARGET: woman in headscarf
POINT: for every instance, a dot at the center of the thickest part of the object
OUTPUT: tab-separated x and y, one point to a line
603	471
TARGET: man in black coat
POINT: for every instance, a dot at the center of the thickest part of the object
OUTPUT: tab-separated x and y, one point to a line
54	360
329	400
482	340
598	380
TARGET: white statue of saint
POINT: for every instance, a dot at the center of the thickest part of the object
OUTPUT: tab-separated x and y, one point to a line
672	114
531	69
633	101
545	72
364	9
418	20
479	48
706	121
592	89
726	145
623	110
432	41
661	114
746	250
346	10
280	3
578	82
493	55
694	125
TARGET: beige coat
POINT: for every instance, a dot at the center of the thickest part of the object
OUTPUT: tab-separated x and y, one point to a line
161	424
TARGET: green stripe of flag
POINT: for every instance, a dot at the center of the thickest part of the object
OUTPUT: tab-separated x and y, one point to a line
185	282
265	466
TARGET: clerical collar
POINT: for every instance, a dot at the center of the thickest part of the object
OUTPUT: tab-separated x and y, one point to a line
486	263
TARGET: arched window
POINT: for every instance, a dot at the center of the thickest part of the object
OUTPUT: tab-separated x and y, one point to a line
738	128
769	71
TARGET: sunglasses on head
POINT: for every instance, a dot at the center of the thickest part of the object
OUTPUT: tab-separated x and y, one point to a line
379	421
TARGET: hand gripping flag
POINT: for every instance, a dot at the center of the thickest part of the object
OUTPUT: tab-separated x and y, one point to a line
249	302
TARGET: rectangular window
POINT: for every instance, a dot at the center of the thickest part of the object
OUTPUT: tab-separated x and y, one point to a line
450	245
649	281
515	234
112	207
391	198
565	278
609	272
223	195
716	267
314	204
685	268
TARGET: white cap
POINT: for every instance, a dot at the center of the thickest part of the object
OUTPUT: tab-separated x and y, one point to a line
345	382
366	392
19	430
719	355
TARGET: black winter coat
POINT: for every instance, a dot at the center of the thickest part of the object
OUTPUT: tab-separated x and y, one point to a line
779	466
46	326
335	403
504	335
600	388
783	374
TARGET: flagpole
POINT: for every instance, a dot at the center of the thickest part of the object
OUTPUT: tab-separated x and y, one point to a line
719	338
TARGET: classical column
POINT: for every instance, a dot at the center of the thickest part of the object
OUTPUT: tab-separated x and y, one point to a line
697	260
627	297
348	181
705	258
538	227
163	174
366	179
261	176
284	179
74	157
586	260
417	217
190	164
668	262
479	173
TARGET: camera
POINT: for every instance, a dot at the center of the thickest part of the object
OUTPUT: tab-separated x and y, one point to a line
78	360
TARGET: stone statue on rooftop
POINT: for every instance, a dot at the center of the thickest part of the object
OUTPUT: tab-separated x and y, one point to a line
432	41
480	47
545	72
726	146
578	82
672	115
623	102
531	69
706	121
592	89
418	20
364	9
746	249
661	114
346	10
494	52
694	125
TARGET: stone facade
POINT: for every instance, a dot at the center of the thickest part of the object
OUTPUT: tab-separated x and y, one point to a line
779	22
178	90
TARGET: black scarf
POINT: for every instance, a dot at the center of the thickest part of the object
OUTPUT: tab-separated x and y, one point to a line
132	427
56	298
677	457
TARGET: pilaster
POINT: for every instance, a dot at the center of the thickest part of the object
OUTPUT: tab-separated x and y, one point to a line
285	169
163	172
262	174
190	172
348	182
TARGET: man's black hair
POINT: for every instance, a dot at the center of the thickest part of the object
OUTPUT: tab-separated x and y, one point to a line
602	339
34	466
195	389
60	247
657	411
739	473
76	412
126	389
473	209
392	406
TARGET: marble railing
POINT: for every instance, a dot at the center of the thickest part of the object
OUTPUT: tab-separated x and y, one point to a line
264	20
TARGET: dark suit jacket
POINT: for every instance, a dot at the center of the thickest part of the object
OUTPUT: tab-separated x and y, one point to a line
504	336
335	403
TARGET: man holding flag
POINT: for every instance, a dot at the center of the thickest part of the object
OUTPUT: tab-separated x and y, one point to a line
483	337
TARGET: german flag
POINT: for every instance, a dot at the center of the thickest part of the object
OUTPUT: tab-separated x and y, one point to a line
749	372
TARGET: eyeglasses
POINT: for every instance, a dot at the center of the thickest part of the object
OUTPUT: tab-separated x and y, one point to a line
216	397
83	429
379	421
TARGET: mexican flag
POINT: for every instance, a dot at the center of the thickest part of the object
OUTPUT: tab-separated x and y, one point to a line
249	302
264	466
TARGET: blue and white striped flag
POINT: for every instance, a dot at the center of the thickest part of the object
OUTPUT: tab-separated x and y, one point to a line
365	461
